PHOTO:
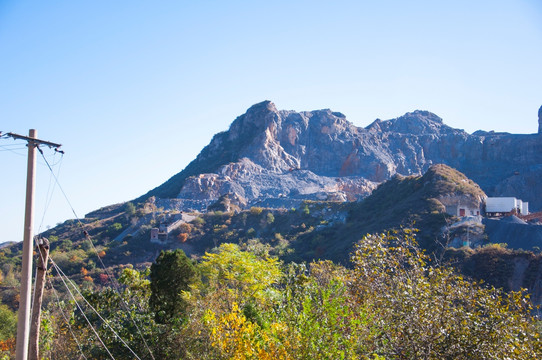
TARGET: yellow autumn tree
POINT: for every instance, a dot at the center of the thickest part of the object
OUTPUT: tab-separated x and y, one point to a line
239	338
243	274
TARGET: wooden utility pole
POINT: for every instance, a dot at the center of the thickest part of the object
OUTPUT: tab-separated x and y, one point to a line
23	331
23	320
43	251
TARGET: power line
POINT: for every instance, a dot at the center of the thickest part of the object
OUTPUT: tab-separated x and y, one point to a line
23	331
59	272
109	275
95	311
16	146
58	301
65	318
14	150
49	196
23	316
22	337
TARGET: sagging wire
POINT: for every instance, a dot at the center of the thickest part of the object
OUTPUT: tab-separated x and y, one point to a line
13	150
49	196
59	272
57	300
66	319
109	275
93	309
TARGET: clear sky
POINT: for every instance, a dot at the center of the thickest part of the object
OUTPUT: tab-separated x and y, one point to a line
135	89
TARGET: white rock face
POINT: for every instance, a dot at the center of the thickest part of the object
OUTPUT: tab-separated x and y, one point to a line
254	184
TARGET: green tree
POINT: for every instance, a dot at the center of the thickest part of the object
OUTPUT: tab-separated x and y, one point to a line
171	274
270	218
321	319
127	313
130	209
66	245
8	323
114	229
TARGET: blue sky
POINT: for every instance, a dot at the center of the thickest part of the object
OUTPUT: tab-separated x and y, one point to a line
135	89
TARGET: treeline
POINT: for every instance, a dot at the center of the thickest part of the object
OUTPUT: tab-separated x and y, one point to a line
392	303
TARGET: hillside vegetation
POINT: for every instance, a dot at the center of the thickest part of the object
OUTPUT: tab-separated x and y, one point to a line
235	304
247	292
315	230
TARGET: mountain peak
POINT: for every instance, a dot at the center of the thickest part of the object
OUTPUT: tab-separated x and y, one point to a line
423	115
253	122
417	122
265	105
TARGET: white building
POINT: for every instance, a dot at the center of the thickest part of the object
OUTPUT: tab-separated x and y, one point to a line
525	208
496	206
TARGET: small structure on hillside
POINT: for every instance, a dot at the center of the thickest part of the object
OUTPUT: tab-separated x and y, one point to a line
160	235
461	205
462	210
501	206
154	236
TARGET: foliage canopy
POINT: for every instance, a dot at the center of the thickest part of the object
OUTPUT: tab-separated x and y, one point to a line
233	304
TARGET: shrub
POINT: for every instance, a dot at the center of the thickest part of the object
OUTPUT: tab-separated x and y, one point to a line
198	221
185	228
182	237
256	210
129	209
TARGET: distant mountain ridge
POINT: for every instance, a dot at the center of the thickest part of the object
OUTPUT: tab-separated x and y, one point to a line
276	155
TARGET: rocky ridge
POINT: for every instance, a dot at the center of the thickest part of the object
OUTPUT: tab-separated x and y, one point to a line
271	155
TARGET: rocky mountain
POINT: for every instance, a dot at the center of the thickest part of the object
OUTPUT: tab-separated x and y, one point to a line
275	157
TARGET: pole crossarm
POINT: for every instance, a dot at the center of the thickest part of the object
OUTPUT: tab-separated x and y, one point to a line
35	141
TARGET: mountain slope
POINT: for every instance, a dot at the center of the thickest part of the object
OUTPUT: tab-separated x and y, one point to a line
314	230
412	201
268	155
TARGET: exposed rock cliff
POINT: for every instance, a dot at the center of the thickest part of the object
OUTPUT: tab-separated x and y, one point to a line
275	154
